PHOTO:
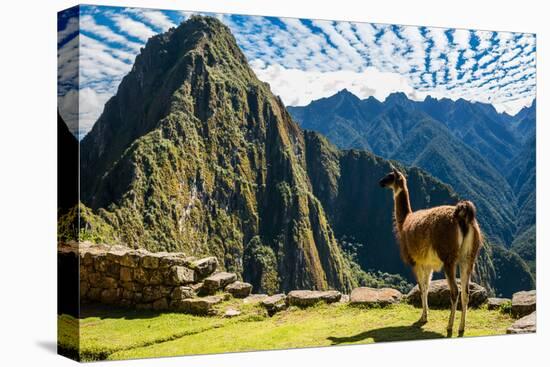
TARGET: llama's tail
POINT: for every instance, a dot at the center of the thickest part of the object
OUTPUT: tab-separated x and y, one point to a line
465	214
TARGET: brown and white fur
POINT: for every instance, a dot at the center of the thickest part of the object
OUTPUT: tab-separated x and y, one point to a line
435	238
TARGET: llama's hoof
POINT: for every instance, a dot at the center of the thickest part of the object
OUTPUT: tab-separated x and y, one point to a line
461	332
449	333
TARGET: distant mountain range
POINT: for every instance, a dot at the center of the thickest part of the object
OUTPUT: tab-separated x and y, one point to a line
486	156
195	154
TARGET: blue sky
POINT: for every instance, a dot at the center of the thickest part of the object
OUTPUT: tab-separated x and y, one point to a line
304	60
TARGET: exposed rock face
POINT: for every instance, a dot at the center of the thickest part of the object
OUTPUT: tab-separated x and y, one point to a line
274	303
239	289
305	298
494	303
200	306
255	298
181	293
204	267
195	154
231	312
440	296
365	296
527	324
524	303
218	281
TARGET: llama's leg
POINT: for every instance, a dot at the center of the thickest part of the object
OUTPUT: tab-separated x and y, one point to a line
423	276
465	271
450	274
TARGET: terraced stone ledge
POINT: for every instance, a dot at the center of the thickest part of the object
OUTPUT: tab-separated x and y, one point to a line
118	275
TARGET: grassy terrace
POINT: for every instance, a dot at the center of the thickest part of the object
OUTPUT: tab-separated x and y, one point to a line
142	334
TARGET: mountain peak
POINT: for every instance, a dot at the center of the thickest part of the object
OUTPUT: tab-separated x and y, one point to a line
397	96
189	119
345	92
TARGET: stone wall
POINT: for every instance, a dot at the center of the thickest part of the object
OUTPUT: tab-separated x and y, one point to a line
138	278
121	276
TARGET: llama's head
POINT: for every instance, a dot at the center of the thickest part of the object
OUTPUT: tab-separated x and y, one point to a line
394	180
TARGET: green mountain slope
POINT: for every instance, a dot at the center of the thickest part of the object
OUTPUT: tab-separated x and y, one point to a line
361	213
468	133
346	182
195	154
430	146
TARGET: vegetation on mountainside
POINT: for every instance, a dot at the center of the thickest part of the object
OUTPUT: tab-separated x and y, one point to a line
485	156
81	224
525	246
410	132
218	165
195	154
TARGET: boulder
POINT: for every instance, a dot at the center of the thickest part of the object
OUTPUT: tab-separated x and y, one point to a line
440	296
305	298
254	298
205	267
494	303
231	312
180	275
168	259
527	324
239	289
196	287
130	260
524	303
150	261
181	293
199	306
274	303
365	296
218	281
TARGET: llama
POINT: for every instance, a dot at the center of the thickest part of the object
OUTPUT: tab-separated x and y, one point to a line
435	238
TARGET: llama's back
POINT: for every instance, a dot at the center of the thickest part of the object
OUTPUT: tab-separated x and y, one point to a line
430	236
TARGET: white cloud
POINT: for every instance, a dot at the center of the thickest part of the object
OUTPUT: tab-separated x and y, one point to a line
154	18
132	27
90	107
298	87
302	63
88	24
461	38
70	28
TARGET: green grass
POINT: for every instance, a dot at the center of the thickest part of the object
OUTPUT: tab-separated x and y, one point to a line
123	334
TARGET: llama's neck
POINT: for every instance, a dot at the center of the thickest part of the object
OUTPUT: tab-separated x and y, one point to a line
402	206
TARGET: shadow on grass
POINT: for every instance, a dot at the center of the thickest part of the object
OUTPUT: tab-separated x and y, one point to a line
112	312
388	334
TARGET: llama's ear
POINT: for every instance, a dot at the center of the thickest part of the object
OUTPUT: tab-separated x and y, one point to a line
394	169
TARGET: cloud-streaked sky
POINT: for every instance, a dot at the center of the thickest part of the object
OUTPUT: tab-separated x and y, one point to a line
304	60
